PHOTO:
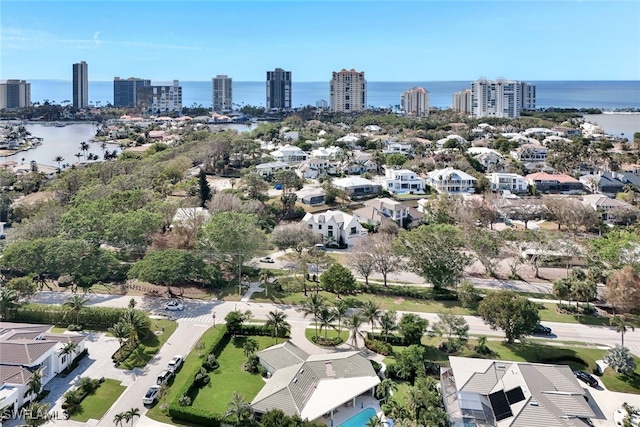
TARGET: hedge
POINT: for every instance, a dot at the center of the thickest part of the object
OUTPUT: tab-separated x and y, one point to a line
391	339
410	292
199	415
90	317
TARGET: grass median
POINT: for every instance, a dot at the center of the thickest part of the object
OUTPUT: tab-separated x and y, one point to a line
95	405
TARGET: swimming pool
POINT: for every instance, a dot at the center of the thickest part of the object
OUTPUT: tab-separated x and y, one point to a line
360	419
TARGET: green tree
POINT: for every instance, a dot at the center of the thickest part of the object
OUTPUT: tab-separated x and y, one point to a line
75	304
434	252
371	311
34	385
622	325
616	249
562	289
340	310
452	326
204	188
388	323
312	307
385	389
254	186
239	408
354	323
119	418
235	319
37	414
412	327
468	295
296	236
250	346
338	279
24	286
326	317
506	310
277	321
620	360
121	331
8	301
132	229
172	267
395	160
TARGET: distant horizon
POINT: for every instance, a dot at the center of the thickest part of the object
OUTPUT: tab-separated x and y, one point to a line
392	41
326	81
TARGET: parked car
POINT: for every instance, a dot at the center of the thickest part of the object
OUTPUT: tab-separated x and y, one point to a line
541	330
151	395
173	306
320	247
267	259
164	377
586	378
175	363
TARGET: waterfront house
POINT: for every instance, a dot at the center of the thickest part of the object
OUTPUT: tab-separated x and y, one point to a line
335	227
507	181
554	183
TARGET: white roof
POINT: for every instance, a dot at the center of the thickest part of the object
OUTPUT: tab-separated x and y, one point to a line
445	173
331	393
352	181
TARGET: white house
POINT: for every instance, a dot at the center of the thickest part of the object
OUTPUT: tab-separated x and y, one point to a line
311	168
315	387
401	181
373	128
395	147
604	205
335	227
356	186
25	348
441	142
268	169
507	181
289	154
451	181
360	162
327	153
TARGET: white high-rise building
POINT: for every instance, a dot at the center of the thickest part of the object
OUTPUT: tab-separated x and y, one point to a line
15	94
348	91
501	98
80	85
462	101
166	98
415	102
222	93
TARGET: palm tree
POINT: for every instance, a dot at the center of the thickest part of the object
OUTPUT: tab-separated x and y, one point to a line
250	346
388	323
340	310
84	147
137	323
132	413
34	385
385	389
265	275
239	408
375	421
325	317
620	322
277	321
119	418
37	414
69	348
8	301
59	159
121	330
371	311
78	155
354	323
75	304
312	306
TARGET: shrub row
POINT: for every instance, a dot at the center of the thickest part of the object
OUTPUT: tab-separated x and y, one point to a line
410	292
327	342
390	339
379	347
261	330
90	317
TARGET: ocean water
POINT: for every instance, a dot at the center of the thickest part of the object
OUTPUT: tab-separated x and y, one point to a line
608	95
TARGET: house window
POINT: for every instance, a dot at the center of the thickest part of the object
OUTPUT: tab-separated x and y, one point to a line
353	230
329	233
310	226
319	226
64	359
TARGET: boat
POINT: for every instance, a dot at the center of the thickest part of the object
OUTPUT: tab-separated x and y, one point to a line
59	124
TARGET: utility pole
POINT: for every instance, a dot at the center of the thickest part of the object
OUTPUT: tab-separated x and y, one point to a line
239	273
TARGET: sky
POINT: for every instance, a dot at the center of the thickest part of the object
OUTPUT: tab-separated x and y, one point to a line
390	40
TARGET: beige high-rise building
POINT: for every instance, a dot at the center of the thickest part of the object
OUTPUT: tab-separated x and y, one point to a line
15	94
462	101
222	93
415	102
348	91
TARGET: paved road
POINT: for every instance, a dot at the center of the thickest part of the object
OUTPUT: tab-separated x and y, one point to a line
197	317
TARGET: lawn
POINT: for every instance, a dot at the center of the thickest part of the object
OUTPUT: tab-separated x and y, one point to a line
97	404
151	344
550	314
331	333
230	377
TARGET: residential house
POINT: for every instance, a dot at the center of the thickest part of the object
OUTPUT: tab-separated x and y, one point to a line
566	131
314	387
289	154
335	227
327	153
270	168
554	183
350	139
395	147
605	206
489	158
377	210
555	139
530	153
359	163
451	139
313	167
311	196
402	181
26	348
373	128
451	181
483	392
356	186
507	181
610	182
